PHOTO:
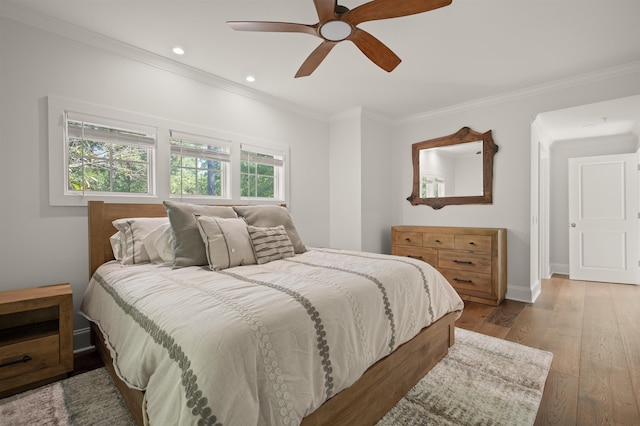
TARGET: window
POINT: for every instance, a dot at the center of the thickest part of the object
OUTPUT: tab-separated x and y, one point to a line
120	156
199	165
261	173
108	156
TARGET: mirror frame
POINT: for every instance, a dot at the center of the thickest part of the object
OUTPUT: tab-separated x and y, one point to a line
464	135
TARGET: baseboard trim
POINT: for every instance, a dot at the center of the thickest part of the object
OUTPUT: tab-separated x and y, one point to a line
559	268
523	294
82	340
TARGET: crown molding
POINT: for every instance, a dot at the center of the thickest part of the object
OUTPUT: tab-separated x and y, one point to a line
360	112
90	38
553	86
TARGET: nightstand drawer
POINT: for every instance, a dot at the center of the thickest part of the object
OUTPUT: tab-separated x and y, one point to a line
43	352
465	261
428	255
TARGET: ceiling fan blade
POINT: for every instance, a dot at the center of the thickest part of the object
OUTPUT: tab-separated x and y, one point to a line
385	9
326	9
375	50
315	58
285	27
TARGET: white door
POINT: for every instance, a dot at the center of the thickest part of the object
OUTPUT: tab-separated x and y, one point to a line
603	218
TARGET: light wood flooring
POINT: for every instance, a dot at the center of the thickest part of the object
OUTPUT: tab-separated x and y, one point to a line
593	331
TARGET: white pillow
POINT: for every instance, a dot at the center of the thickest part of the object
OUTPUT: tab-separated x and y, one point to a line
159	244
226	242
133	231
115	241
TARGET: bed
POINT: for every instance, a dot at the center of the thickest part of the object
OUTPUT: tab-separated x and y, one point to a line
162	371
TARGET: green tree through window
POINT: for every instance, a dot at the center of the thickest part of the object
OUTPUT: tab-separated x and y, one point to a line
101	158
198	168
261	175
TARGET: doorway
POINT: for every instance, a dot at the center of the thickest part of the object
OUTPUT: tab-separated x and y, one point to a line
593	129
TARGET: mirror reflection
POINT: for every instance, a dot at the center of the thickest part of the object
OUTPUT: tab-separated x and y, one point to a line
451	171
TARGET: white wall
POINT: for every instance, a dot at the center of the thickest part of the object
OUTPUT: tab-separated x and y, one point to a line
376	185
360	176
510	118
40	244
560	153
345	177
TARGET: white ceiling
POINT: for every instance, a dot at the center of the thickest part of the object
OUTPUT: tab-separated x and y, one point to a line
467	51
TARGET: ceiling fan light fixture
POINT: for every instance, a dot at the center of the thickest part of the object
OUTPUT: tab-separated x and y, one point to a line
335	30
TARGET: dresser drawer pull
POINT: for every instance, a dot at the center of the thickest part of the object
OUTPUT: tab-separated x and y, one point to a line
466	262
408	239
472	243
459	280
437	241
414	257
25	358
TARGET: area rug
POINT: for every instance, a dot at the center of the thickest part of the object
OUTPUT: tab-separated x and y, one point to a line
483	381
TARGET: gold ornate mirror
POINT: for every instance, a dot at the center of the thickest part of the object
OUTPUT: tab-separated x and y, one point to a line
454	169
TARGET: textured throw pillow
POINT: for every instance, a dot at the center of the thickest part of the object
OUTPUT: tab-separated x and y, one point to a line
159	244
270	243
132	233
226	242
189	247
270	216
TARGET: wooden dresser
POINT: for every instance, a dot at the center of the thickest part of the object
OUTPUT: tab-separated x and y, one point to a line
36	337
473	260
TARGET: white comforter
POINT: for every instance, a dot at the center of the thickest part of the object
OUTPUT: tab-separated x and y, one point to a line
261	344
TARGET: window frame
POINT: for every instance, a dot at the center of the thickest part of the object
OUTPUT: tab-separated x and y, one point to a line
148	142
58	168
280	172
224	156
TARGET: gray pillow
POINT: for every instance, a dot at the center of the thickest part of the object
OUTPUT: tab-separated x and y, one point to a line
269	216
270	244
189	247
226	241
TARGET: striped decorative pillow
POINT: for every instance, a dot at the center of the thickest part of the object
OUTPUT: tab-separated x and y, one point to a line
270	243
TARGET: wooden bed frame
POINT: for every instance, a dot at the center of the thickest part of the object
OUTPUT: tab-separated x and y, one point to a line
364	403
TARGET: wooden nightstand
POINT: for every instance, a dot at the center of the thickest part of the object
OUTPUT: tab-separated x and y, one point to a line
36	337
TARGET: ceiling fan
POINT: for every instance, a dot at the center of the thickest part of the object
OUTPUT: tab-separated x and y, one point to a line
338	23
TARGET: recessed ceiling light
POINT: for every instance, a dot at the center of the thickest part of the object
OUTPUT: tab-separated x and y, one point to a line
250	78
178	50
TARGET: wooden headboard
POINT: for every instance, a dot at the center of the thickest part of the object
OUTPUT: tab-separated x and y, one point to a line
101	215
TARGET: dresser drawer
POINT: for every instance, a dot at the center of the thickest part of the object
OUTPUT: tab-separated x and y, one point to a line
438	241
473	242
463	260
408	239
474	260
468	282
428	255
43	351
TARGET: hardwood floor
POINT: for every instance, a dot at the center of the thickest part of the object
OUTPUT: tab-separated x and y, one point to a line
593	331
